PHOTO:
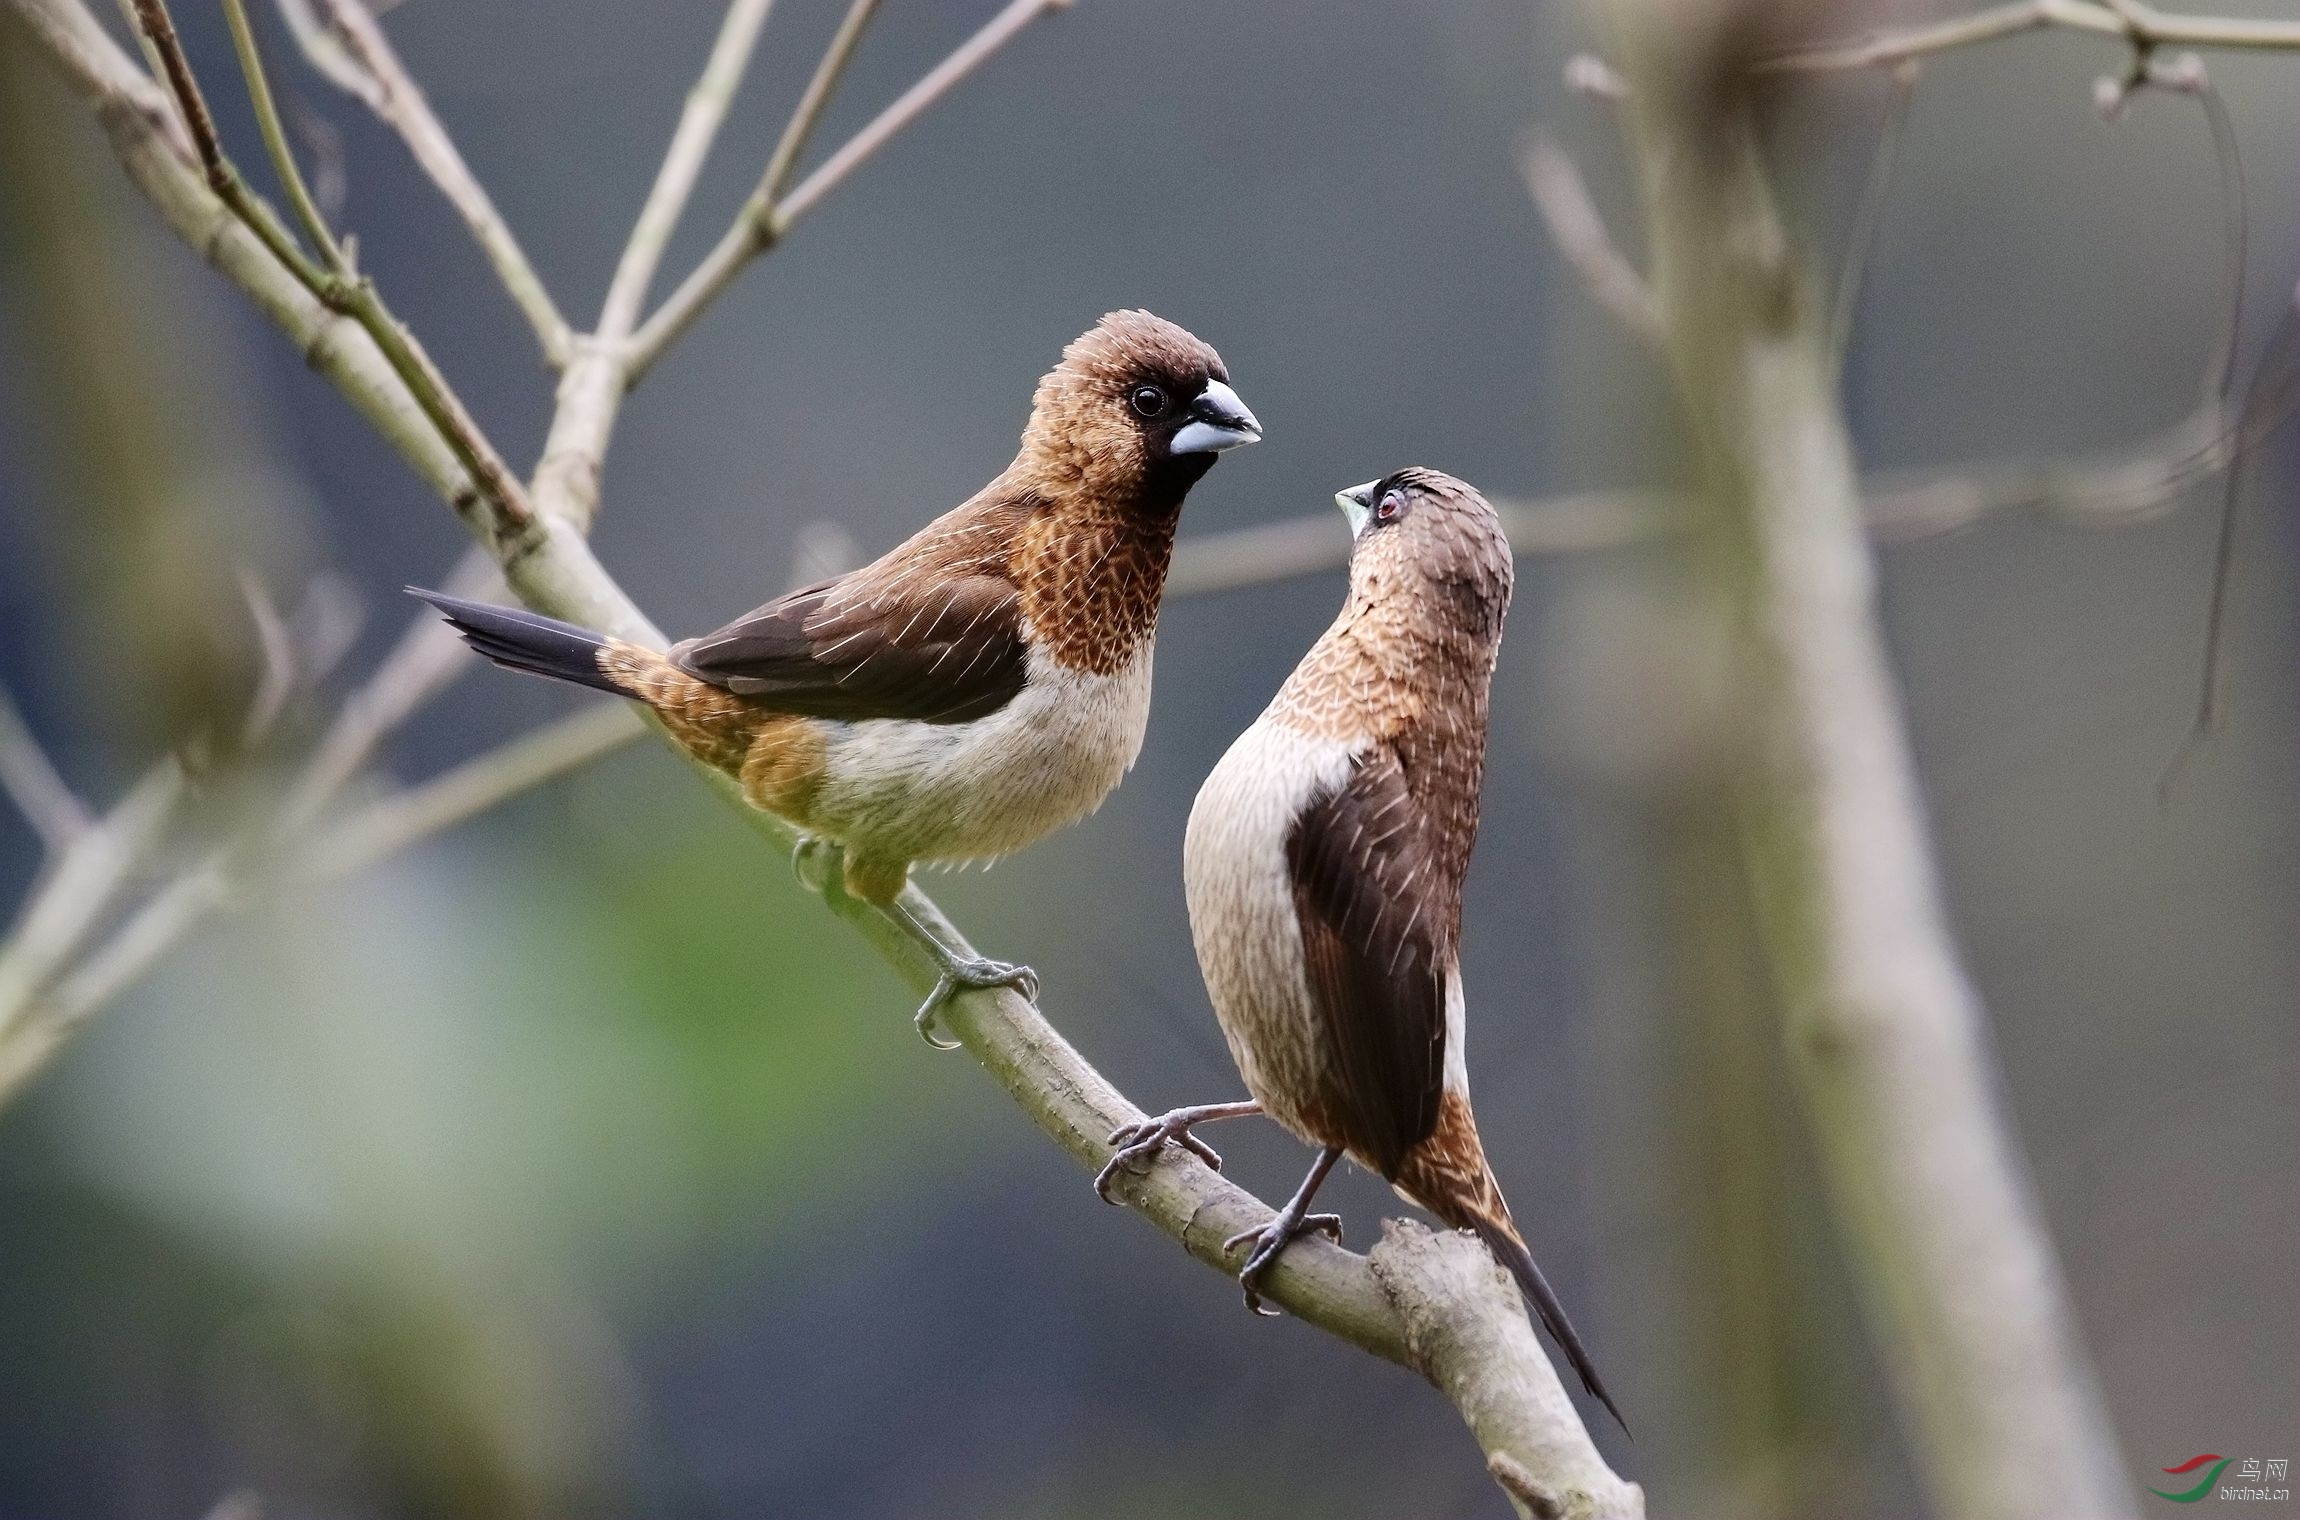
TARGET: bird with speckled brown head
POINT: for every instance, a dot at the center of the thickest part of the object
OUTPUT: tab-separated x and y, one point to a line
978	686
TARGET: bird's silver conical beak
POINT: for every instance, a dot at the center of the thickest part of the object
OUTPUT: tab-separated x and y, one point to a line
1357	504
1218	421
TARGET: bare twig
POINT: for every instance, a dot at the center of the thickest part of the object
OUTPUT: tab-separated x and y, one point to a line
2142	26
813	101
1579	232
699	122
2268	406
275	139
2101	491
762	222
31	782
383	828
350	48
82	887
1588	74
499	506
1845	298
45	993
2185	74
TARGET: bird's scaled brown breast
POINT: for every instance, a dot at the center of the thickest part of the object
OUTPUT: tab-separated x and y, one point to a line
1091	582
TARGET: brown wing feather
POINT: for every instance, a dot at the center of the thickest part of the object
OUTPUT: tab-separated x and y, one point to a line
931	632
1377	951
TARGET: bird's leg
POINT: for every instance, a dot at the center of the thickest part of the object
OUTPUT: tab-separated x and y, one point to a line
1294	1219
957	972
1143	1141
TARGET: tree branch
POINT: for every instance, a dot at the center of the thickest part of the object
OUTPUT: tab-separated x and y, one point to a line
699	122
765	217
350	48
31	782
497	507
1467	1335
389	825
1563	200
45	993
2106	490
2144	27
1887	1038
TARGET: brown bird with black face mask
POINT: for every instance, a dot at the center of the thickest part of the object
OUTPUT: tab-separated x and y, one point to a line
1323	867
980	685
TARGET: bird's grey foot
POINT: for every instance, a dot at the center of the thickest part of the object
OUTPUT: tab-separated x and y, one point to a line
1293	1220
1141	1142
964	973
1273	1238
815	862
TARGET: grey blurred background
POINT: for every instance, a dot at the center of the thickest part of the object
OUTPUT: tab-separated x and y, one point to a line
575	1163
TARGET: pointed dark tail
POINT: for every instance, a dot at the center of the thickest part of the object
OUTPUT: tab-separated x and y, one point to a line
517	639
1501	1238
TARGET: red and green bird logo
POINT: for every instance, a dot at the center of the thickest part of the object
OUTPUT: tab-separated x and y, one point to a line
2190	1496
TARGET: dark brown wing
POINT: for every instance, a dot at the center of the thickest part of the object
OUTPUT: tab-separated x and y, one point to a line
1378	942
937	648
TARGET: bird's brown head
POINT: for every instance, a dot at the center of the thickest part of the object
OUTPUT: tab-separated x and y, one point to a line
1428	541
1135	413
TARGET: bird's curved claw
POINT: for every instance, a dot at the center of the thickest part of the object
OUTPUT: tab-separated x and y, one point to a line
1142	1142
1269	1240
966	974
812	862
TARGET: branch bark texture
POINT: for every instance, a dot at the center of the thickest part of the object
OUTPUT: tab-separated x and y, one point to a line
1887	1038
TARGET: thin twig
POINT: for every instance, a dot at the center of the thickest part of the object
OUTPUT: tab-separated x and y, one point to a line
500	504
33	784
158	30
1577	229
2268	407
274	132
699	122
45	993
813	101
82	887
758	228
2142	26
352	50
389	825
1861	239
2100	491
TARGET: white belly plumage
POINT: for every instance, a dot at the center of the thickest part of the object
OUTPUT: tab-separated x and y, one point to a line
1242	917
949	793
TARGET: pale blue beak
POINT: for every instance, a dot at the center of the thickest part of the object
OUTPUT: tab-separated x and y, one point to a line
1357	504
1218	421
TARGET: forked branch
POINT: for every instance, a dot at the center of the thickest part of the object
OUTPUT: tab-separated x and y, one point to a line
348	45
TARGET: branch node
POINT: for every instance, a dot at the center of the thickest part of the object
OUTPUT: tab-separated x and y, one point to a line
1575	226
1519	1483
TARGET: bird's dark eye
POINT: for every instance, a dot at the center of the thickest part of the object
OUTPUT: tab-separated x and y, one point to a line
1147	400
1391	508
